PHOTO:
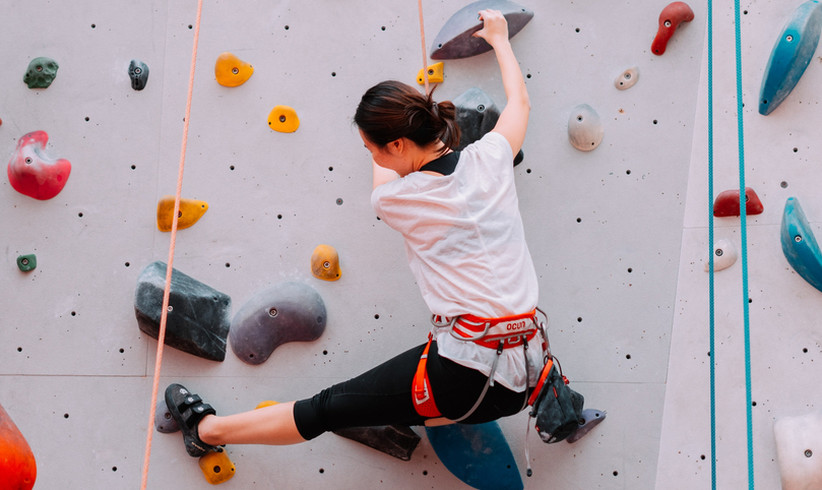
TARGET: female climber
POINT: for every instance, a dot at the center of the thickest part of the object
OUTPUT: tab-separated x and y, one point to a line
458	213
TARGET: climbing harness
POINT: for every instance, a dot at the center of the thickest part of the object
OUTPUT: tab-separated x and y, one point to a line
490	333
174	224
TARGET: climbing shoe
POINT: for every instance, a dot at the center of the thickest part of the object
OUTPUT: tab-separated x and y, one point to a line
188	410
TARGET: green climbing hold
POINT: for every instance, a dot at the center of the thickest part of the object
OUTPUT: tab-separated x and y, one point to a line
41	72
27	263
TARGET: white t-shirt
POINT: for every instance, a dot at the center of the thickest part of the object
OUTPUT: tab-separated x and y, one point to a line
466	248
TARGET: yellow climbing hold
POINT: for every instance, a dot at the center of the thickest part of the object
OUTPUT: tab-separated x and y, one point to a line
216	467
266	403
190	211
325	263
436	74
283	119
231	71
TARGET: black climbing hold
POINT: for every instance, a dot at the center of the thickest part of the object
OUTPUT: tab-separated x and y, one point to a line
285	312
198	317
477	115
138	72
163	421
27	263
395	440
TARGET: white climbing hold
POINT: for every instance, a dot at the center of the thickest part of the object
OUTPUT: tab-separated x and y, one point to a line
584	128
627	79
724	255
798	450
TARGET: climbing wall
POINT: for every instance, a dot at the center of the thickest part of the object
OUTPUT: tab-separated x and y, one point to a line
618	234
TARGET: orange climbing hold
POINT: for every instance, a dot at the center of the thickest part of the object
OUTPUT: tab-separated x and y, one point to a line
283	119
18	470
232	71
436	74
217	467
190	212
325	263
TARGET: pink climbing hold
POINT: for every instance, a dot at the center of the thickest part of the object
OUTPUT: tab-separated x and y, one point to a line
32	172
670	17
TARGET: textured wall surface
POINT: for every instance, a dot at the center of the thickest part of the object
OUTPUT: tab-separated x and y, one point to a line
618	234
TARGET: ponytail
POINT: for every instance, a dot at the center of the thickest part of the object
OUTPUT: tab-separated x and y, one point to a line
391	110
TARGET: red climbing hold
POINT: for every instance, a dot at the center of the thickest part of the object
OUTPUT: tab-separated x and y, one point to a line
32	172
18	470
727	203
670	17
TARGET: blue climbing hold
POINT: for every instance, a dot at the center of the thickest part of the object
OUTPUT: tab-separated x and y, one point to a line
799	244
790	56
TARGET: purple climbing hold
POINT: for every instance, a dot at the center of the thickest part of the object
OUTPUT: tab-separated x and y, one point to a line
285	312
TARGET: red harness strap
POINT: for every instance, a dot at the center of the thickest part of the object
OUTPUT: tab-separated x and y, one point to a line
492	333
423	399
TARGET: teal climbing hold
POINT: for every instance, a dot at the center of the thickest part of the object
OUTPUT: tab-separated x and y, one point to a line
27	263
790	55
799	244
477	454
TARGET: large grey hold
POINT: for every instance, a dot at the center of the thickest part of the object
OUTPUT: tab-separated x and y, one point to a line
198	316
456	38
285	312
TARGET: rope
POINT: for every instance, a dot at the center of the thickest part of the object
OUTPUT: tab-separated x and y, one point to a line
712	310
744	247
167	291
422	43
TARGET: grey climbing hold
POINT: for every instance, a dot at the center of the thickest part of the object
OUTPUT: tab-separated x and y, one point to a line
198	317
285	312
477	115
584	128
138	72
398	441
163	421
456	40
41	72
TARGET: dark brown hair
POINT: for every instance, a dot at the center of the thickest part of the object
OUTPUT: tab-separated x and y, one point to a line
391	110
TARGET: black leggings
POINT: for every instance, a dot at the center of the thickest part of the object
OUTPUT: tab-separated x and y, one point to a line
382	396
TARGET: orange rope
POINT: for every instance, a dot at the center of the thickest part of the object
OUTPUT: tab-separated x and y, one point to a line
167	291
422	42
